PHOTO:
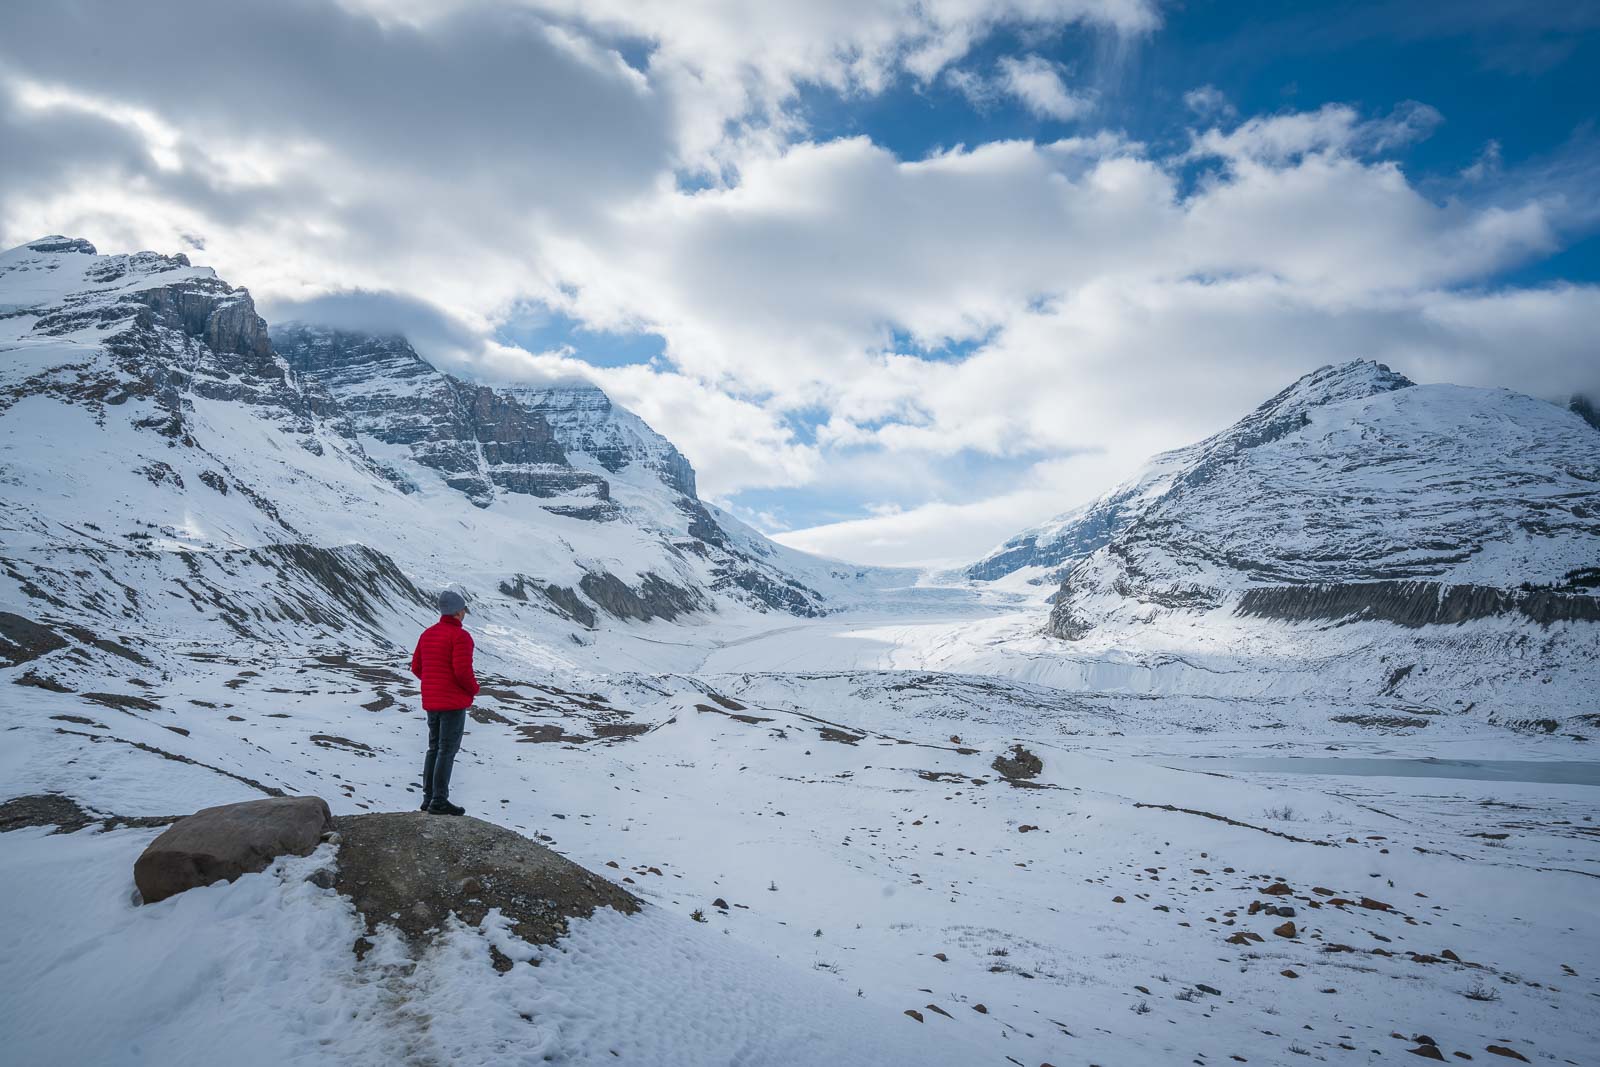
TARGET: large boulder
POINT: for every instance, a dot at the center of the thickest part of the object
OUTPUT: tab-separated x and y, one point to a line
220	844
413	870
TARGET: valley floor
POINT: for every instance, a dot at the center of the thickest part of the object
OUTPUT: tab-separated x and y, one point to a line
822	794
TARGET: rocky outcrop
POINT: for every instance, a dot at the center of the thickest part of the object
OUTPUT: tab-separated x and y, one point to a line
58	243
66	815
1415	604
558	598
1585	409
1018	765
413	871
223	843
22	639
656	598
266	593
775	591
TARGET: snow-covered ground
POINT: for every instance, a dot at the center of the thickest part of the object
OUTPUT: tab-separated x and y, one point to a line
839	798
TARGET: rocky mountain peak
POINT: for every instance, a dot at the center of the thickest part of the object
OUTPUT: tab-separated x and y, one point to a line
586	421
480	440
57	243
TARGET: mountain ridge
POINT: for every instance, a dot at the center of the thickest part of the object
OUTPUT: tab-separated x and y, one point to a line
186	431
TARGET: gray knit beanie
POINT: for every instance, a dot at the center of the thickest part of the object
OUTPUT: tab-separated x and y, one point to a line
451	602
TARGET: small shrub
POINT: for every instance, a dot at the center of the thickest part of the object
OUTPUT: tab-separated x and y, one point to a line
1141	1008
1282	814
1482	992
697	915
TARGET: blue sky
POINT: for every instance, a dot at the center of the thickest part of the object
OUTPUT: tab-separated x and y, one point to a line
1515	89
900	277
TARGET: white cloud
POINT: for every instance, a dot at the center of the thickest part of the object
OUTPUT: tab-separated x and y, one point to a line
1207	101
1331	128
1036	82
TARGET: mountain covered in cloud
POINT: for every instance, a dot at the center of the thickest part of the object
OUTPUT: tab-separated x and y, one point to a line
172	460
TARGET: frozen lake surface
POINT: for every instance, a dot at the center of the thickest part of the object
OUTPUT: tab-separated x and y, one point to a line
1549	772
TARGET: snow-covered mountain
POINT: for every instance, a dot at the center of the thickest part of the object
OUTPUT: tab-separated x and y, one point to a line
1352	474
169	463
1355	492
1353	496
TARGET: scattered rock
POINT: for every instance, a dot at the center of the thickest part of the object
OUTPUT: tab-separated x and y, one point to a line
222	843
1118	900
1449	955
1510	1054
1287	973
941	957
1208	989
1427	1052
914	1013
980	1009
720	903
1286	930
1278	889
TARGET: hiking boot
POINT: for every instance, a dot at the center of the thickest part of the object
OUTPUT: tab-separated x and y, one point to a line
444	807
426	804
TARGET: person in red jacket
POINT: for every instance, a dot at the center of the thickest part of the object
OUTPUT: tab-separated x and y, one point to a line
443	663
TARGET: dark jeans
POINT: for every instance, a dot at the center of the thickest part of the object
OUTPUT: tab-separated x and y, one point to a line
444	738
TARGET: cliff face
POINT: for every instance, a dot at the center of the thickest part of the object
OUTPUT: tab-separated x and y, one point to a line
479	439
585	420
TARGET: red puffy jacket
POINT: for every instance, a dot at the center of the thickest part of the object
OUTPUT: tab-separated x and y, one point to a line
443	661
